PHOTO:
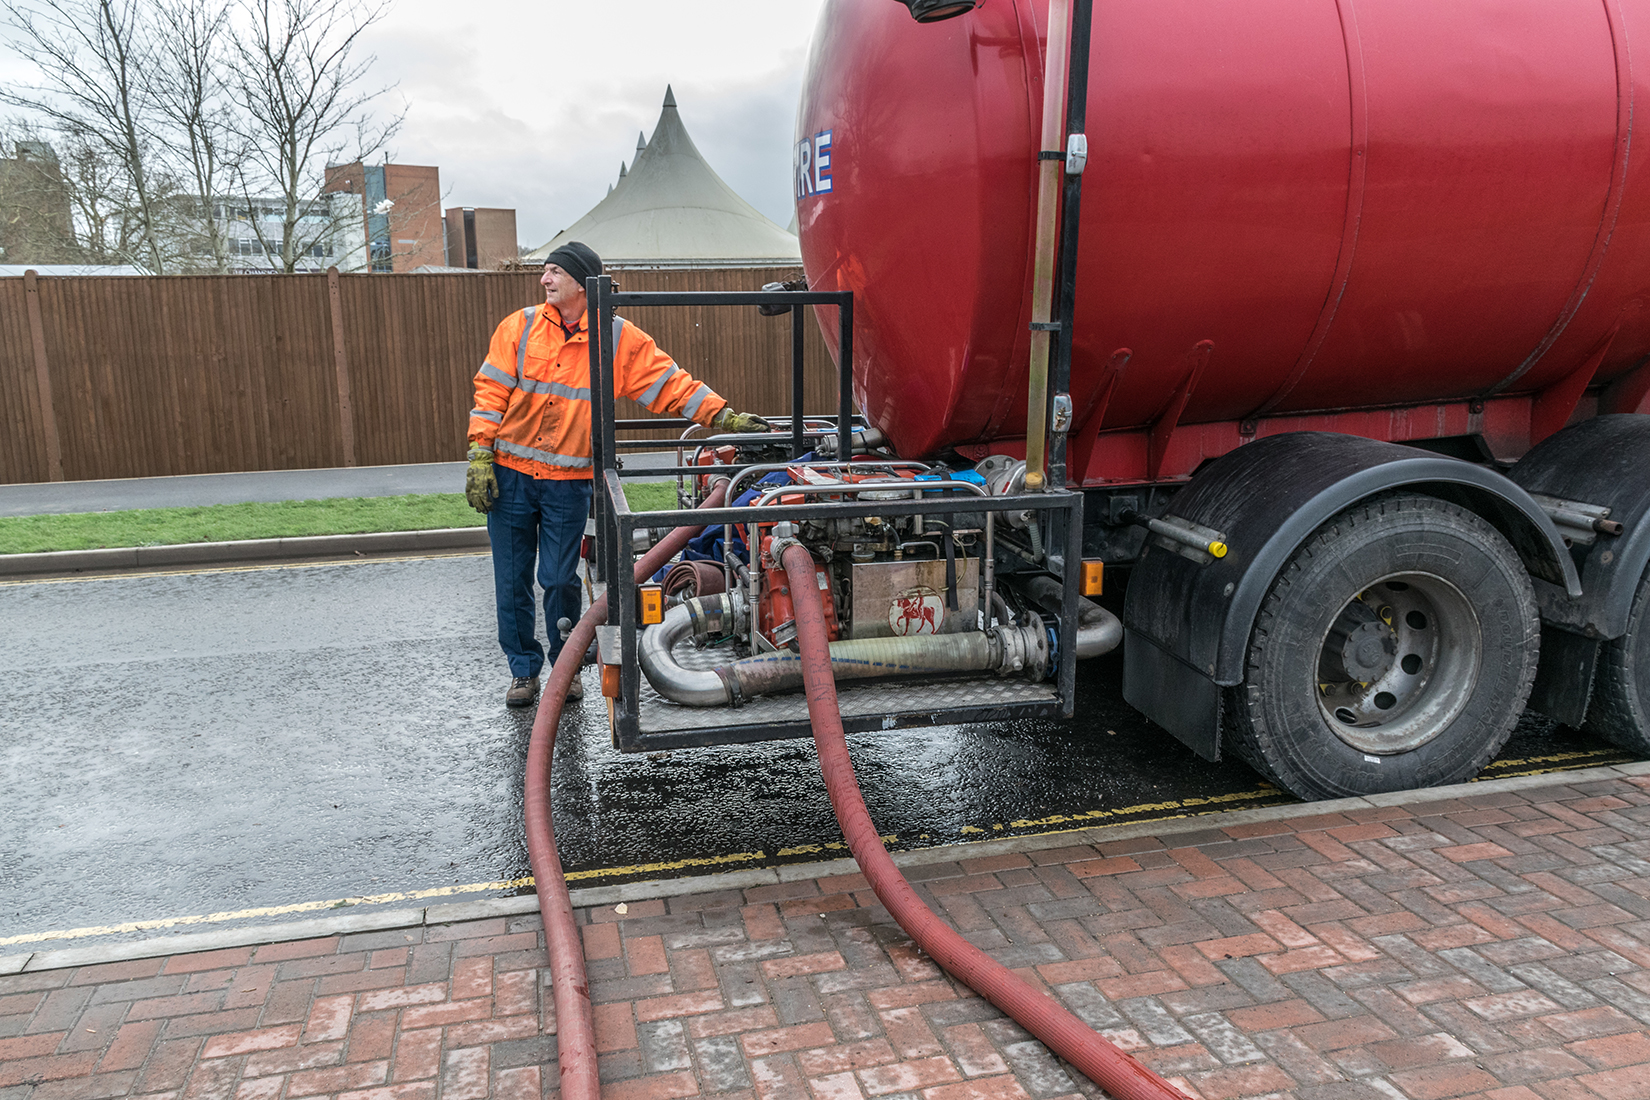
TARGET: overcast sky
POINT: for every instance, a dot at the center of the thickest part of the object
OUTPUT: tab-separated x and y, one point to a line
534	105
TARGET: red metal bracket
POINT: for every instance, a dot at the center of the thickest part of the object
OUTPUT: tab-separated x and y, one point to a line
1553	406
1163	430
1109	374
1630	393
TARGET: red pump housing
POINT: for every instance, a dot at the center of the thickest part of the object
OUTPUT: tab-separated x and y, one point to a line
1392	218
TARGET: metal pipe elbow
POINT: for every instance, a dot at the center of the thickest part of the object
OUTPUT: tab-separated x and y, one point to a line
1098	630
690	687
1098	634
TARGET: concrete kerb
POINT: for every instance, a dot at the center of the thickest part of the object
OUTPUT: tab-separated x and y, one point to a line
590	897
247	550
213	941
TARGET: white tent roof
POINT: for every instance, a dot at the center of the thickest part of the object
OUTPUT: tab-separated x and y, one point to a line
671	209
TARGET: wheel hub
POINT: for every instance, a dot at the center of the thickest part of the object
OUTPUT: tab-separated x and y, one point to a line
1360	646
1398	663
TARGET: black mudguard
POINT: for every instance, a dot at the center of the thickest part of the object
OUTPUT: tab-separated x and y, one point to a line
1187	622
1605	461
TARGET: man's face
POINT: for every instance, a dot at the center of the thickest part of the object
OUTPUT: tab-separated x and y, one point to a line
561	290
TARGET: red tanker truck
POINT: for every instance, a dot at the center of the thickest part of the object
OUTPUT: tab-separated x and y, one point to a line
1324	319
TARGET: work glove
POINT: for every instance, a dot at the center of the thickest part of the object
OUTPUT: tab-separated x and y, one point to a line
480	482
729	421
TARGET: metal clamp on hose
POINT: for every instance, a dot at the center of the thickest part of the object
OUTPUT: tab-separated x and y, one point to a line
781	543
715	616
736	698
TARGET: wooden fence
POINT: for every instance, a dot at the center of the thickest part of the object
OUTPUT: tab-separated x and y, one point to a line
147	376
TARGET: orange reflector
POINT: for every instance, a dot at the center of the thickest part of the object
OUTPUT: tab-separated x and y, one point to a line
610	681
1094	573
652	599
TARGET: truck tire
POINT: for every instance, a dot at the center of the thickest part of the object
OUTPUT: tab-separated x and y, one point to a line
1620	710
1394	650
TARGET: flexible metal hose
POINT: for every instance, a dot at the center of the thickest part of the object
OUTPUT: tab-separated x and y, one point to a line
1009	650
575	1021
1113	1070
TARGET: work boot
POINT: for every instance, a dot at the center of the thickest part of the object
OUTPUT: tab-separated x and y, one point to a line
523	691
575	690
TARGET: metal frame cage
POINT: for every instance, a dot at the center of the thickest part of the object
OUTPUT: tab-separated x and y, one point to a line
644	722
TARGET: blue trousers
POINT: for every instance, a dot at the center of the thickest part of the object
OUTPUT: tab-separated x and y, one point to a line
542	519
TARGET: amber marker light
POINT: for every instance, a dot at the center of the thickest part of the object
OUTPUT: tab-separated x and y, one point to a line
1094	575
652	598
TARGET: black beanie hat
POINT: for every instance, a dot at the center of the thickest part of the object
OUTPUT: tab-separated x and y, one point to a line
577	259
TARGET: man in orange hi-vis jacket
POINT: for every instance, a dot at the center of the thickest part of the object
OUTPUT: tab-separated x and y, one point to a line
530	463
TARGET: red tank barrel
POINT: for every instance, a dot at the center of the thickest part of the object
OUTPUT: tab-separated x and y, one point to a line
1357	204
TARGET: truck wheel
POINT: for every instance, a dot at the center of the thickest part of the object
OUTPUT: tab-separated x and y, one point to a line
1620	710
1394	651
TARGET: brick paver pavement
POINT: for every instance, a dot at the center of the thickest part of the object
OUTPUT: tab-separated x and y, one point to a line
1493	946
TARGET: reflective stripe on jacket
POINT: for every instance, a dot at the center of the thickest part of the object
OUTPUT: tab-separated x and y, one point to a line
532	395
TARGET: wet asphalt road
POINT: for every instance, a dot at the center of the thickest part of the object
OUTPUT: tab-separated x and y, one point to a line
260	744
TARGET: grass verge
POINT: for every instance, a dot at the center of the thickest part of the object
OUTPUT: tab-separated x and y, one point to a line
284	519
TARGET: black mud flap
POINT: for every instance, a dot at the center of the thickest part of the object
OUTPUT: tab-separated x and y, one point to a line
1564	680
1172	693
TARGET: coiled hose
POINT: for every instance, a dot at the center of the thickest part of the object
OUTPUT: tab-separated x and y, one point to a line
575	1021
1113	1070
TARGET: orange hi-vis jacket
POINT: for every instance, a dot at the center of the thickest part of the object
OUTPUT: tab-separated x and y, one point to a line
532	403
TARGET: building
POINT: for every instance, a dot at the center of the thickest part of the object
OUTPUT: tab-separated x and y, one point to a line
36	218
481	238
369	217
328	234
671	209
399	209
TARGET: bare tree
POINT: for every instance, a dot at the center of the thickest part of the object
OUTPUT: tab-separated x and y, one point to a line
107	224
90	54
302	87
166	107
186	83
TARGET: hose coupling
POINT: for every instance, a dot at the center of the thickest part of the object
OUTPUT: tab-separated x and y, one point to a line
730	682
783	540
1022	651
714	616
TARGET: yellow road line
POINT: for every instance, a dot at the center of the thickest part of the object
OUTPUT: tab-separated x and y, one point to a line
1073	822
1148	807
671	865
130	573
719	861
1558	758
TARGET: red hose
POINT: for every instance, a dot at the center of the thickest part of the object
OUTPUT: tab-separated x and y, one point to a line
1113	1070
575	1022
